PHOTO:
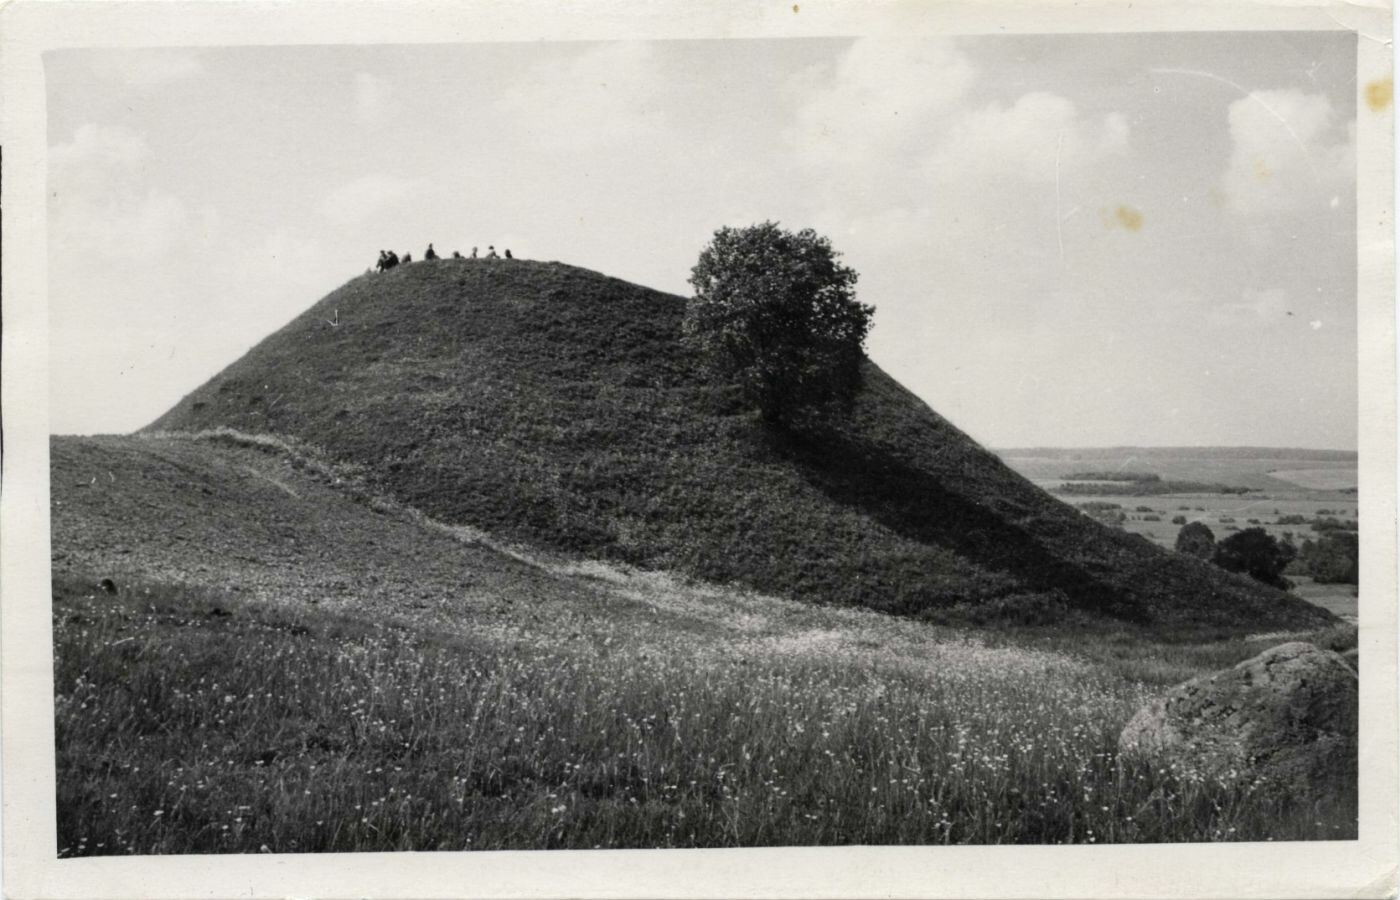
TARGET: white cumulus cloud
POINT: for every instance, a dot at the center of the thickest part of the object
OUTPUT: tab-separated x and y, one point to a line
1038	138
879	98
101	204
1288	153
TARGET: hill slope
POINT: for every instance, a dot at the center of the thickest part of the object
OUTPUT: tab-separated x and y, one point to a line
550	404
317	669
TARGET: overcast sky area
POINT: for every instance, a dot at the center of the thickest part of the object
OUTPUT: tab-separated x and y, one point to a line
1069	240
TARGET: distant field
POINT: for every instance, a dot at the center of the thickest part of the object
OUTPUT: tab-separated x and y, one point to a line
1339	599
1265	472
1321	479
1310	484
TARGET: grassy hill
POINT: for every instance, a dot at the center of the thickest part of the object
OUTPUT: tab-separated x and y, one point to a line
552	405
294	663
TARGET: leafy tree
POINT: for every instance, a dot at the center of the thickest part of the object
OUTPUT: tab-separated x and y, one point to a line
775	311
1196	539
1256	553
1332	559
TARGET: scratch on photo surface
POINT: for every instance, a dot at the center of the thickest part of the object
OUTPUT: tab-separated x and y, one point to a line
1307	157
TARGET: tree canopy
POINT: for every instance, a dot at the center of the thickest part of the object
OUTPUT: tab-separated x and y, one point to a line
1196	539
1256	553
775	311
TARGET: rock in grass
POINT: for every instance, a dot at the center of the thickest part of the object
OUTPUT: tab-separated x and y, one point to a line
1286	717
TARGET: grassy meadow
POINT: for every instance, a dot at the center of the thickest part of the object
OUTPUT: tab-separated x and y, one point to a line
191	722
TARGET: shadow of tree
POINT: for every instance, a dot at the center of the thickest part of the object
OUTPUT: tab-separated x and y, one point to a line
915	504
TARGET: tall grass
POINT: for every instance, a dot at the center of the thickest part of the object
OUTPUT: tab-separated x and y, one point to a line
193	723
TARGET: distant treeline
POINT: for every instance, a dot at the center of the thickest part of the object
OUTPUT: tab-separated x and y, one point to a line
1112	476
1147	488
1088	454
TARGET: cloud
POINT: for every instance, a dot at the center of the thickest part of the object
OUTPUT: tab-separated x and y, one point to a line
100	205
96	150
1038	138
878	98
1287	153
605	95
356	202
373	99
146	68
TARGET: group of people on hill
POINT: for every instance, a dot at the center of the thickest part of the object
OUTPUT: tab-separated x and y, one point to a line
388	259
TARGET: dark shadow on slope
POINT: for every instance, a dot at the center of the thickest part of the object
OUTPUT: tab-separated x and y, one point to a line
914	504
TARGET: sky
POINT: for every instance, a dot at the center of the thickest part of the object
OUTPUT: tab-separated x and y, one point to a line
1069	240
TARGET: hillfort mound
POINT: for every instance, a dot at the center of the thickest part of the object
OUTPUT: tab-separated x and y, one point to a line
553	405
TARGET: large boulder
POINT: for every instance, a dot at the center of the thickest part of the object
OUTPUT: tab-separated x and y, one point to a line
1286	717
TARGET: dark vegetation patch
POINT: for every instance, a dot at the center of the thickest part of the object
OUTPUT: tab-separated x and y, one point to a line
558	407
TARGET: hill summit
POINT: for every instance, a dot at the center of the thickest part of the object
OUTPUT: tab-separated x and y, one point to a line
553	405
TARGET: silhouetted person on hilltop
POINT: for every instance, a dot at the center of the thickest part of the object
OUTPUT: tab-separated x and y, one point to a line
387	260
508	256
456	255
473	253
491	252
430	253
408	257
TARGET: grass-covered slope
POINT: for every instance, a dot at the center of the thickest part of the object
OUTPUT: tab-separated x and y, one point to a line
290	662
550	404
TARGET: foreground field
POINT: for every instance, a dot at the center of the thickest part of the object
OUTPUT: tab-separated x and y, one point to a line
187	723
290	665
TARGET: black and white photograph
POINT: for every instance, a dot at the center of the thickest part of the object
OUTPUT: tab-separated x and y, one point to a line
725	441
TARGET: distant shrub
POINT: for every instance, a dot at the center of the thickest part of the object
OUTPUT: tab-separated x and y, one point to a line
1225	520
1196	539
1324	512
1332	559
1332	524
1291	520
1254	521
1178	520
1145	509
1152	518
1257	554
1107	513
